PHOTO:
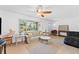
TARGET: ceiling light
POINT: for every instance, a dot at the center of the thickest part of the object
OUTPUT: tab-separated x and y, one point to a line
41	12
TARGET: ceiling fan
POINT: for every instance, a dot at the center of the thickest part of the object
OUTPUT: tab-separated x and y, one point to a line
40	11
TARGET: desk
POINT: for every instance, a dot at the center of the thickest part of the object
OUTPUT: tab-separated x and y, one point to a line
8	39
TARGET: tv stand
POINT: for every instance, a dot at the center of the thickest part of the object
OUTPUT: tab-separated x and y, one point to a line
61	31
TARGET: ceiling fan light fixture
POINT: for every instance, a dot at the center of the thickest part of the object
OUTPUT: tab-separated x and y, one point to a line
42	15
42	12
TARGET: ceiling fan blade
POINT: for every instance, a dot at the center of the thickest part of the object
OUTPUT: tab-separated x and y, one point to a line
46	12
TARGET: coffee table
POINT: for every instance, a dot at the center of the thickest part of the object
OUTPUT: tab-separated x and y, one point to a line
44	38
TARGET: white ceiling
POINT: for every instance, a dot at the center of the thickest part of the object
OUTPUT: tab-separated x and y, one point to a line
58	11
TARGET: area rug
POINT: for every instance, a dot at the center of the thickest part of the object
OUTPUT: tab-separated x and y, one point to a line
42	49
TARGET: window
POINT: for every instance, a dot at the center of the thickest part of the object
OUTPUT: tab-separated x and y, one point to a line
25	26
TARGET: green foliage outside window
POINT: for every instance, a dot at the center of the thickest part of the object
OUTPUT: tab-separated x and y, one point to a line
25	26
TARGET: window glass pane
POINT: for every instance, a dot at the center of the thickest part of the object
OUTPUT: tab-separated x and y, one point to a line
25	26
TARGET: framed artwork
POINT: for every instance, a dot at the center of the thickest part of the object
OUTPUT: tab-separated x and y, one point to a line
63	27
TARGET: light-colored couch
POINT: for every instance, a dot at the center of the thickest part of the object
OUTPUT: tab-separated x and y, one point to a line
35	35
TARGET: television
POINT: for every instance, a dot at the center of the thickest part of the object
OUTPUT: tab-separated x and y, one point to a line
0	25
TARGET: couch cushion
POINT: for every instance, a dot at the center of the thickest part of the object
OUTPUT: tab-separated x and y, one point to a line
72	33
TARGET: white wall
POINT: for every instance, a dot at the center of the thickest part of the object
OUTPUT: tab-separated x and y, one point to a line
10	21
72	22
45	26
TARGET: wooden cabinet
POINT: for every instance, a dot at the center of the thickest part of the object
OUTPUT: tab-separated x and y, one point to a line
61	31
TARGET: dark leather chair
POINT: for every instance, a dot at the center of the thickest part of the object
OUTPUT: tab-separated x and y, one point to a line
72	39
54	32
